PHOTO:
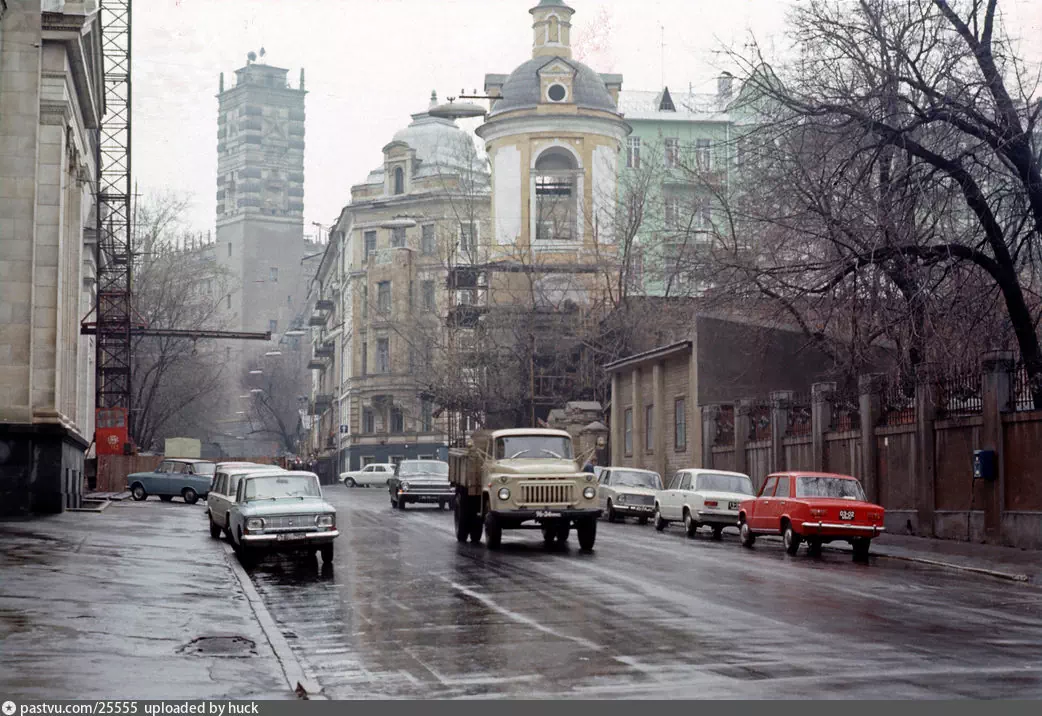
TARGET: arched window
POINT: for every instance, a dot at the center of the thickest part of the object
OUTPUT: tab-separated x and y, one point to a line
555	31
399	181
556	209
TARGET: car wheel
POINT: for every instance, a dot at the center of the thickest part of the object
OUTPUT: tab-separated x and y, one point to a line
586	530
350	482
442	505
138	493
746	534
611	512
190	496
814	547
215	530
660	524
327	553
718	532
689	524
246	557
493	531
166	498
861	547
642	520
790	539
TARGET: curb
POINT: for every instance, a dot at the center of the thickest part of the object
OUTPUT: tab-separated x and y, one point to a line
102	505
1008	576
296	678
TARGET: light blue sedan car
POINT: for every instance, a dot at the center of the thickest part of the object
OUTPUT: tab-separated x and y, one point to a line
187	479
281	512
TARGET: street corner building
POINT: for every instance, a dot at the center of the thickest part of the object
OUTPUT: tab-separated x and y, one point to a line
51	104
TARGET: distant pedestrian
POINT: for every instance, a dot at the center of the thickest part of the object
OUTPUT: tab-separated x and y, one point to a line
591	465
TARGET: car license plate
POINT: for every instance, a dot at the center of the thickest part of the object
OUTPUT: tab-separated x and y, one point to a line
732	505
545	513
846	514
291	537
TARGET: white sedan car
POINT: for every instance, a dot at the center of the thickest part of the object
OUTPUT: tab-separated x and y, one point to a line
702	498
627	492
376	474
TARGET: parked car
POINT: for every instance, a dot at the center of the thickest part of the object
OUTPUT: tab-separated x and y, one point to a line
816	507
626	491
188	479
374	474
222	492
421	481
702	498
281	512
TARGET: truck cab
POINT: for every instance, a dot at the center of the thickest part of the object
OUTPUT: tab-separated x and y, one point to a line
522	478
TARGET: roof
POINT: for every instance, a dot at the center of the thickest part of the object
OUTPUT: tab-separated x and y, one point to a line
516	432
186	459
654	354
629	469
522	90
809	473
690	107
551	3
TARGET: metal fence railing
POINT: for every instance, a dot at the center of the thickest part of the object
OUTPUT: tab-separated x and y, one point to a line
799	424
897	403
960	393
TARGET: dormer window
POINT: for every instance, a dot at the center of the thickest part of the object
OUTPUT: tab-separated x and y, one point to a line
557	93
399	181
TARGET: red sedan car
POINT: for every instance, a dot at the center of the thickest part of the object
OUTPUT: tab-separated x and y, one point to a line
812	506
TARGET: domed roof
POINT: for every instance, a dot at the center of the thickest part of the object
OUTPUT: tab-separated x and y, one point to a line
441	146
522	89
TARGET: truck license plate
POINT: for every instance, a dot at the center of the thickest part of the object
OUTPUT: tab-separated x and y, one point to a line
846	514
291	537
545	513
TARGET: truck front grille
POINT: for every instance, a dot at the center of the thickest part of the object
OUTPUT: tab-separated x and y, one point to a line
548	494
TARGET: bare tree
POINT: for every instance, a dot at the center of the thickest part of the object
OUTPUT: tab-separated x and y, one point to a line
277	393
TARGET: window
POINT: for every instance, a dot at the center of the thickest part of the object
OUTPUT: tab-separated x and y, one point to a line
369	239
365	358
672	211
365	302
703	213
399	181
627	431
427	240
273	274
468	237
783	487
398	237
228	301
383	297
768	487
674	484
672	153
680	424
397	420
557	93
383	355
428	295
412	288
368	460
273	326
289	301
649	415
426	416
704	154
229	249
633	153
555	200
368	424
685	482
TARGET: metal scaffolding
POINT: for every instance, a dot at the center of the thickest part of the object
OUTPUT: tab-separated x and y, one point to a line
113	307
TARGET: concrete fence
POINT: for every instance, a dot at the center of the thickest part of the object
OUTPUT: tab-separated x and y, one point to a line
911	445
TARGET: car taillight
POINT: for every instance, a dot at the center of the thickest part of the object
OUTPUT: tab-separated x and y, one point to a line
711	503
874	516
817	512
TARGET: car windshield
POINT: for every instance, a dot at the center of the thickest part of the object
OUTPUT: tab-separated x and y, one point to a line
534	446
204	468
278	486
633	478
423	468
726	483
843	488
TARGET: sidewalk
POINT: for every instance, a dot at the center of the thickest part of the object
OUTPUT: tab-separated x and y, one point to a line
124	603
1003	562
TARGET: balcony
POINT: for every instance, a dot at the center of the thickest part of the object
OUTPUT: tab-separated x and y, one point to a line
324	304
317	364
323	402
317	320
325	350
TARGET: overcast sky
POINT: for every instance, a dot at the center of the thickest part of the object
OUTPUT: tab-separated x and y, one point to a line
372	63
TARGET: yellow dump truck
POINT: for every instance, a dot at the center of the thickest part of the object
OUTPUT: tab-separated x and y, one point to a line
522	478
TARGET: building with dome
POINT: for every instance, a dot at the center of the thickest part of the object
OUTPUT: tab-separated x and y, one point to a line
382	297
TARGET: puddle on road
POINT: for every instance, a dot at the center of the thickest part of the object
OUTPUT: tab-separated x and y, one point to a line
227	646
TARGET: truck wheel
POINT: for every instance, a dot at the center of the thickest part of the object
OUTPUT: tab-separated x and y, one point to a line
689	524
460	519
549	535
493	531
611	512
138	492
790	539
861	547
660	524
477	526
563	532
587	532
746	534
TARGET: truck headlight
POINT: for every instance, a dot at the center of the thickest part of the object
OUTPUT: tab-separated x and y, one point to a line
403	486
589	493
255	523
503	494
325	520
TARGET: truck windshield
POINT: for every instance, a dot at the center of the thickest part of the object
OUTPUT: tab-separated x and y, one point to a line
829	487
533	446
632	478
275	487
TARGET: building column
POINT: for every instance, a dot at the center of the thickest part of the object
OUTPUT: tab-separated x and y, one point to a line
997	375
615	438
710	426
781	402
658	392
869	390
926	465
821	395
743	422
695	431
638	419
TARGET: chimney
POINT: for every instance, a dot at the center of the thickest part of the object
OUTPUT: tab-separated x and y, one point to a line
725	85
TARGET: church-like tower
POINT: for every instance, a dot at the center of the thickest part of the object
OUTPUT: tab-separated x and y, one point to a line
553	137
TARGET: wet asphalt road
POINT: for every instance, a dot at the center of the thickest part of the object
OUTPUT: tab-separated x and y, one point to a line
408	612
